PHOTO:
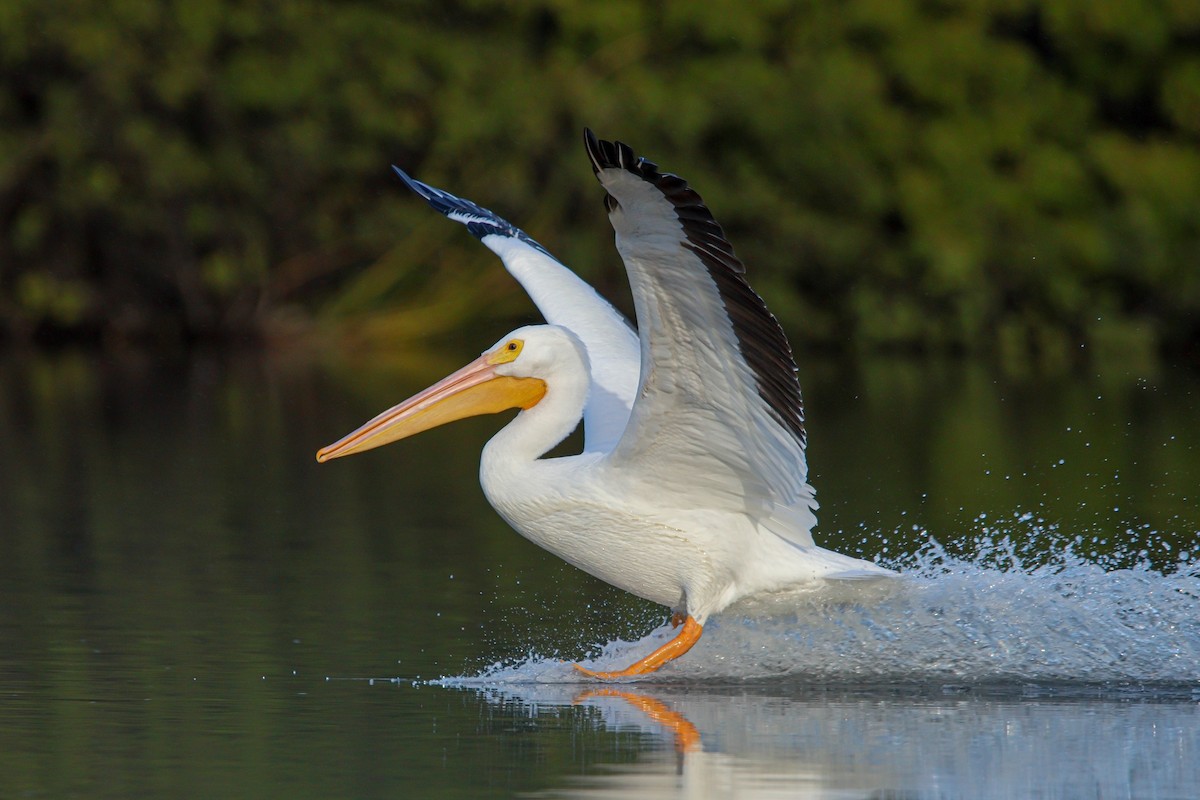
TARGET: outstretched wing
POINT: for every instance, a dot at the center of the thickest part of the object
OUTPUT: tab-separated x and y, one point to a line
565	300
718	408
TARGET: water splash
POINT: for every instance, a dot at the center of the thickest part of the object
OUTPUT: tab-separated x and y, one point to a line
1007	613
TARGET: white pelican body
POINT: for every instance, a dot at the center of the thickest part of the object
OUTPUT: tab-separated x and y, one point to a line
617	523
692	491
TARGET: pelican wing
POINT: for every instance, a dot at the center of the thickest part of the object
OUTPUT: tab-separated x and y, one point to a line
565	300
718	409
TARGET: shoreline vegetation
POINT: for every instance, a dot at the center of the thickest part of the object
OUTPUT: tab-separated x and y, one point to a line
1013	178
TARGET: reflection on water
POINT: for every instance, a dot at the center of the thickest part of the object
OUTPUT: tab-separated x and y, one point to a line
767	744
190	605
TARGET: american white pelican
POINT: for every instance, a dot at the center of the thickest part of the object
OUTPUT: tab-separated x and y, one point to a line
698	495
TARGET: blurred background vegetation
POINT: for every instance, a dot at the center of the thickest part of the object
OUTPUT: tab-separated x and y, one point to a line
949	175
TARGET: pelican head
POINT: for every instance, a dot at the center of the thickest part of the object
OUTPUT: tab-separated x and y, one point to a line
512	373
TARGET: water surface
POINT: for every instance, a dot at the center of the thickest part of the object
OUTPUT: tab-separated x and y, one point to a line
191	606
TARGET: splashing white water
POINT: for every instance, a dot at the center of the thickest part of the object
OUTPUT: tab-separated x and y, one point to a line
993	618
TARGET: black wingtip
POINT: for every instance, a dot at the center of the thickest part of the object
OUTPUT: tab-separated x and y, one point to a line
617	155
605	154
592	145
412	183
479	221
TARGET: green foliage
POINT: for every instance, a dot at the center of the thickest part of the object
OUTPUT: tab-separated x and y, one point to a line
947	175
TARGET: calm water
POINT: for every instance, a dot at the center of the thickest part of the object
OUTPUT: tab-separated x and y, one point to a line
190	606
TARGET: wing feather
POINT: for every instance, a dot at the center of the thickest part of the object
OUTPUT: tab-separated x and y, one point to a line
718	408
565	300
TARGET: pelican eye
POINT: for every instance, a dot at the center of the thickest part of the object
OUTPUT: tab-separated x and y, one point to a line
508	351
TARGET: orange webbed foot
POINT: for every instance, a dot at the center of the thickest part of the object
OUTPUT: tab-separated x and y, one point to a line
673	649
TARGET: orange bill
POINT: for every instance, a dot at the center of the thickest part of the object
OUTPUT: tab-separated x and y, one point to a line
475	389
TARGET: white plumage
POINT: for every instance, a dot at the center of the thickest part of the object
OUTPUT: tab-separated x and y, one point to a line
692	490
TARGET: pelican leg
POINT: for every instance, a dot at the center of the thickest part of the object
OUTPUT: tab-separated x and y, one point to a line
673	649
